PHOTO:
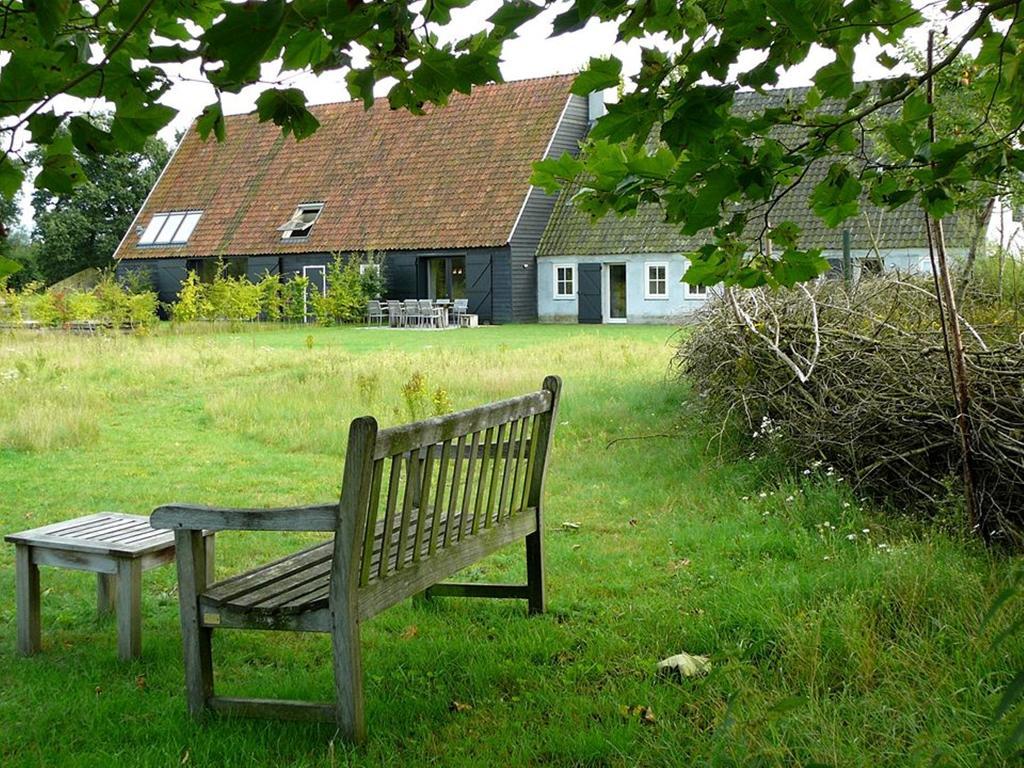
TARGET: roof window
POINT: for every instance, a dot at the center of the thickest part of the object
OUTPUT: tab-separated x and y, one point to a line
301	222
171	228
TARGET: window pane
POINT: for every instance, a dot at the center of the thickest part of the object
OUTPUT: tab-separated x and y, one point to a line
187	226
169	227
155	223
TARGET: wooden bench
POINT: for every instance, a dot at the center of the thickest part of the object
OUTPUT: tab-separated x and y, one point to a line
418	503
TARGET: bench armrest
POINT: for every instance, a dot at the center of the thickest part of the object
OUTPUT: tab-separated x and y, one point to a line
316	517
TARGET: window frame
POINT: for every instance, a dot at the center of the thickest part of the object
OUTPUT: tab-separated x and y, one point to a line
159	221
288	236
648	294
557	295
694	291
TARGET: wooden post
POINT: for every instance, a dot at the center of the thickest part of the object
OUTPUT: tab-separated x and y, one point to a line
106	588
535	541
129	608
26	583
348	545
194	636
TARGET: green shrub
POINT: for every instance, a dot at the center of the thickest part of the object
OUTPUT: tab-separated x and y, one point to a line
141	309
192	302
82	306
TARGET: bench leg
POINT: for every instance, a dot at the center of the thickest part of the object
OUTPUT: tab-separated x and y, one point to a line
348	680
129	608
26	577
195	638
535	572
106	588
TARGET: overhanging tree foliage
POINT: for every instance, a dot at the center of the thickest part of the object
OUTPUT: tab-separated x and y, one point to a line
82	226
712	168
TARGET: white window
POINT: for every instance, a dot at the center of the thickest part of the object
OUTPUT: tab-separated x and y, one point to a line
301	222
565	281
696	290
171	228
364	268
656	286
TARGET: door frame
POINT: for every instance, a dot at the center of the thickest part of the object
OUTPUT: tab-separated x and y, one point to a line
606	291
305	294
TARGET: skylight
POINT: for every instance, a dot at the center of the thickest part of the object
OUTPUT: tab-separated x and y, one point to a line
171	228
301	222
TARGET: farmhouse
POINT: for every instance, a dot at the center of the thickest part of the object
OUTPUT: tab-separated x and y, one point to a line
620	270
445	197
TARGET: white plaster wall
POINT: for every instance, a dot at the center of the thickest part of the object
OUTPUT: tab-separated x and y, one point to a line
639	308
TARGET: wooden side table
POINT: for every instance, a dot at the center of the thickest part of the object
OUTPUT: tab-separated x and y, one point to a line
116	547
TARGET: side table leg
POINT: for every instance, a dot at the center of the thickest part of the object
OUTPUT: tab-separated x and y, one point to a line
26	577
209	543
129	608
106	588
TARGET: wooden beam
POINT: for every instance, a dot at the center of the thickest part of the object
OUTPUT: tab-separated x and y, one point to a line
316	517
501	591
273	709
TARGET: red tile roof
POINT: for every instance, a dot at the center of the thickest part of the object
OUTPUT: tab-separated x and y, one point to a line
455	177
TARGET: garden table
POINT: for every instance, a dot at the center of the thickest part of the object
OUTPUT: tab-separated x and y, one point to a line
116	547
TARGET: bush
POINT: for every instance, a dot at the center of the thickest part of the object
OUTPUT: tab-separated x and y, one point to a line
109	302
857	378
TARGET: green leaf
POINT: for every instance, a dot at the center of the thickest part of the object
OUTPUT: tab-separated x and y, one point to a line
798	267
360	84
60	171
134	124
43	125
50	15
512	15
287	108
785	234
11	177
836	79
916	108
241	39
795	18
836	198
599	74
306	48
938	203
901	138
548	174
212	121
89	139
8	267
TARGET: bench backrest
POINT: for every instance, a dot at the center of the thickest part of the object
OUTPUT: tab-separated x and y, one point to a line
413	494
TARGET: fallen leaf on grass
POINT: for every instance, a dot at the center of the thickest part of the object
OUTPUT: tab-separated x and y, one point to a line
458	706
410	632
570	526
677	565
633	522
644	714
684	665
140	682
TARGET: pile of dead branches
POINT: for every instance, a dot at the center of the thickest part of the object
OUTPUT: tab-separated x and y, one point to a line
856	376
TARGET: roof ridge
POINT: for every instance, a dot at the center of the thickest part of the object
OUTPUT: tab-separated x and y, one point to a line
351	102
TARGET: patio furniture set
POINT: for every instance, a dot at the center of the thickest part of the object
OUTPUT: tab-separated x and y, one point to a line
421	313
419	502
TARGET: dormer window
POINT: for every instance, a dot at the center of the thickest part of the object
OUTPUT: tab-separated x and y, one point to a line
301	222
170	228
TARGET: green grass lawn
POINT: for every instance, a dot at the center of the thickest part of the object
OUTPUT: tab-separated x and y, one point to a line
827	650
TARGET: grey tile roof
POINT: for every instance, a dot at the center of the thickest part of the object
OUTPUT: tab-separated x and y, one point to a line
572	233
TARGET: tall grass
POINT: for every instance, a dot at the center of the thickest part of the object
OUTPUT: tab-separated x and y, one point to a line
830	646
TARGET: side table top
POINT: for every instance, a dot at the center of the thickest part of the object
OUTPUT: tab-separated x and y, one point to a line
107	533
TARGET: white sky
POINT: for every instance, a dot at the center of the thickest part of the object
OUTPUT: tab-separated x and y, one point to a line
533	54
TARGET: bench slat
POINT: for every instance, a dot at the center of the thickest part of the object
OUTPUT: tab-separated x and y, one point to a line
410	437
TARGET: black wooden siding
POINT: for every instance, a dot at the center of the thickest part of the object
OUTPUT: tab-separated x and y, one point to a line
522	271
